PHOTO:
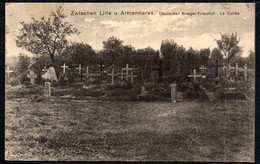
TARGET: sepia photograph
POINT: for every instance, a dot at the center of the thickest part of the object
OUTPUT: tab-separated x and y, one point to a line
165	82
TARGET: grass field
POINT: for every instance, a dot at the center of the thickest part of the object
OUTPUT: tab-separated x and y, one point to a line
96	130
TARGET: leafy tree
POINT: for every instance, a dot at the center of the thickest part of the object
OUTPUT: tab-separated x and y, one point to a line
146	56
204	56
216	54
46	36
182	62
78	53
216	59
21	68
251	59
192	59
169	51
146	59
127	55
112	49
228	44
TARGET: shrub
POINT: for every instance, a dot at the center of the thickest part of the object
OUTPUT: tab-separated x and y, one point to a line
133	92
193	91
209	86
13	81
156	96
113	87
219	92
126	85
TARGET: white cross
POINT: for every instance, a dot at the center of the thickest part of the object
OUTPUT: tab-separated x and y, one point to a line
132	76
79	68
64	67
112	76
44	69
8	71
236	68
203	69
194	76
32	76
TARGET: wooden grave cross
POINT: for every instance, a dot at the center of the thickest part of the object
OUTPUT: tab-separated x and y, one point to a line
203	68
79	68
87	72
8	71
236	69
132	76
64	67
91	74
32	76
112	76
44	69
127	69
194	76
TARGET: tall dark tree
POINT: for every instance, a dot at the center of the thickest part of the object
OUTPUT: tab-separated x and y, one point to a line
251	59
112	49
169	51
204	56
216	59
78	53
46	36
127	55
21	68
192	59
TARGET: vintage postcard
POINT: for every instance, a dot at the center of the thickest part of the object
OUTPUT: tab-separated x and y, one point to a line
130	82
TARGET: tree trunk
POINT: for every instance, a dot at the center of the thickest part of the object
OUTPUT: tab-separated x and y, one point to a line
54	65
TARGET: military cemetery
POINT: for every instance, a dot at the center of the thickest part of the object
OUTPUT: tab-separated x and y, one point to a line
71	102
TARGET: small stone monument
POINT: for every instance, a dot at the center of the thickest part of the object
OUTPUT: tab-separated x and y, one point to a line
32	76
173	93
50	75
47	89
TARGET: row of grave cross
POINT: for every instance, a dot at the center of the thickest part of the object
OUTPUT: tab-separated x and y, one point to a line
78	68
236	68
124	72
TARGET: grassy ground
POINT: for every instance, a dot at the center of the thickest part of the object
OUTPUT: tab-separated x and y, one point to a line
93	130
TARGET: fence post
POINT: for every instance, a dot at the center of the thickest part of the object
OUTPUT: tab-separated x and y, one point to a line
173	93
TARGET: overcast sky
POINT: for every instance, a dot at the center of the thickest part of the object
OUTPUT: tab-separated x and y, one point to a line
141	31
